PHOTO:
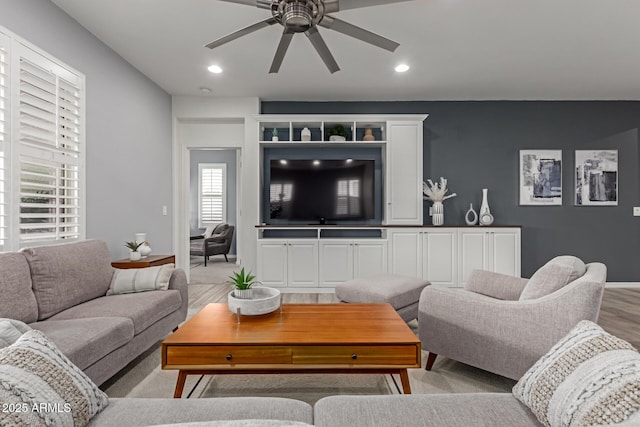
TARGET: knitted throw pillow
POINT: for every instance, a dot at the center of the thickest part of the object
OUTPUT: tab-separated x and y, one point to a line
588	378
40	386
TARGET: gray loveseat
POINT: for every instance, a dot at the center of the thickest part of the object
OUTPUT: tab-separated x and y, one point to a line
61	290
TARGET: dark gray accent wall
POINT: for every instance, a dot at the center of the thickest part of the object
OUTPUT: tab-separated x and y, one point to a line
128	129
227	157
475	145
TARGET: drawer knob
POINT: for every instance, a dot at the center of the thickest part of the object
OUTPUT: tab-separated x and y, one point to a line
229	356
354	356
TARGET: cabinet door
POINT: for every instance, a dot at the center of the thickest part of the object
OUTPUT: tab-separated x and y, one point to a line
439	256
404	173
504	249
336	262
405	252
302	263
272	262
472	253
369	257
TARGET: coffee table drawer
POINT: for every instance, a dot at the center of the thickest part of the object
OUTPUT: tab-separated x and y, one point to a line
356	354
227	355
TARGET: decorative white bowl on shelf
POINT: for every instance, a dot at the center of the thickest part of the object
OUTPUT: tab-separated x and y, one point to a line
262	300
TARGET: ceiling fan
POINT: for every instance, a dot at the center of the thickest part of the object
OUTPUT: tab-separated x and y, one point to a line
304	16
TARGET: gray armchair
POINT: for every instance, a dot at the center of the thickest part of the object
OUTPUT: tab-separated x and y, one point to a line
218	243
490	326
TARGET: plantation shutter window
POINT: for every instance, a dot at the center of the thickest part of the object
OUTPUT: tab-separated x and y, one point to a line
42	147
49	151
5	43
212	190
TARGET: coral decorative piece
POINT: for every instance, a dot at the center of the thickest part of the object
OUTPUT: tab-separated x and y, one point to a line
436	192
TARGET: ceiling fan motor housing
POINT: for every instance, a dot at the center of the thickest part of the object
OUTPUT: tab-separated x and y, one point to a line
297	15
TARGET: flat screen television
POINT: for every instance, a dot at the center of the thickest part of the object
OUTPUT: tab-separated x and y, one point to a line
321	191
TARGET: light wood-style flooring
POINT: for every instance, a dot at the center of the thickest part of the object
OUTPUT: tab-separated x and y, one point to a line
620	314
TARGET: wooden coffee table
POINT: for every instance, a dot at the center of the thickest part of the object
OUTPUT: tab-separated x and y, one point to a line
302	338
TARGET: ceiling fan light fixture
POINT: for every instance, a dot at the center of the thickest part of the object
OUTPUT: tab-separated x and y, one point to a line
402	68
297	16
215	69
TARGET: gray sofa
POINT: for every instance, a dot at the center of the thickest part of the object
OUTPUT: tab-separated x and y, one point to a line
61	290
437	410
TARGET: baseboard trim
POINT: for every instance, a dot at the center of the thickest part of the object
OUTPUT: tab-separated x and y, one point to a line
622	285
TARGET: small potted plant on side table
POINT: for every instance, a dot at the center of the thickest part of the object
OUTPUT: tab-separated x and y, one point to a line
134	255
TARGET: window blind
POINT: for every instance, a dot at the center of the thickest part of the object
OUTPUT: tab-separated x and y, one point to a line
4	137
212	209
49	151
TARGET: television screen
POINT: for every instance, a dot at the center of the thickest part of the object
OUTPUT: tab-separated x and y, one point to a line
322	191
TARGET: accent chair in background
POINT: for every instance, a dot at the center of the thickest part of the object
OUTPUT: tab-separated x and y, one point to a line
216	240
504	324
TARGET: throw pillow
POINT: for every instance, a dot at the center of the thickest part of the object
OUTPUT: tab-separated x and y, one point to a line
552	276
130	280
40	386
209	230
11	330
588	378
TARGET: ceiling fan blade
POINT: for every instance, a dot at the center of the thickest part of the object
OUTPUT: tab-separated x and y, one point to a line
321	47
262	4
343	27
243	32
285	41
336	5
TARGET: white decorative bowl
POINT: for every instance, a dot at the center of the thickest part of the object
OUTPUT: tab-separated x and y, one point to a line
264	300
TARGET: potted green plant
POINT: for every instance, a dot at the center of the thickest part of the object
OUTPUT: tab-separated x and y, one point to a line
337	133
242	283
134	255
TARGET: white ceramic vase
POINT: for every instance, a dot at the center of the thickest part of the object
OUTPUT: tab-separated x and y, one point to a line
485	213
305	135
144	249
471	217
437	213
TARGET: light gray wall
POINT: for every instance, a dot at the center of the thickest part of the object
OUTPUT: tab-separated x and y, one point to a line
227	157
128	133
475	145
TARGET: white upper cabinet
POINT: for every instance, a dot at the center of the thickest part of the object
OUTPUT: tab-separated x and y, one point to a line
404	173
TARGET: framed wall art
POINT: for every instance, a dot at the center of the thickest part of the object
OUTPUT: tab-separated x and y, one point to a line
541	177
596	177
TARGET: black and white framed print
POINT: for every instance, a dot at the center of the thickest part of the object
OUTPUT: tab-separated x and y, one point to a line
596	177
541	177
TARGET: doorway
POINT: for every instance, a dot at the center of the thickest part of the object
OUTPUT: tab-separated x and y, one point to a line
213	200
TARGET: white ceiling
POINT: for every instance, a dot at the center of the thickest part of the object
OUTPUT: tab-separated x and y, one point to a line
457	49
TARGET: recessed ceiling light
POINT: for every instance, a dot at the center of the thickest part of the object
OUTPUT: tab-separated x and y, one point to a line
316	163
215	69
402	68
283	162
205	90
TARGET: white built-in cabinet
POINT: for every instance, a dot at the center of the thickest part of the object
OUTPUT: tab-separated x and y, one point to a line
288	263
427	253
493	249
404	173
345	259
446	256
